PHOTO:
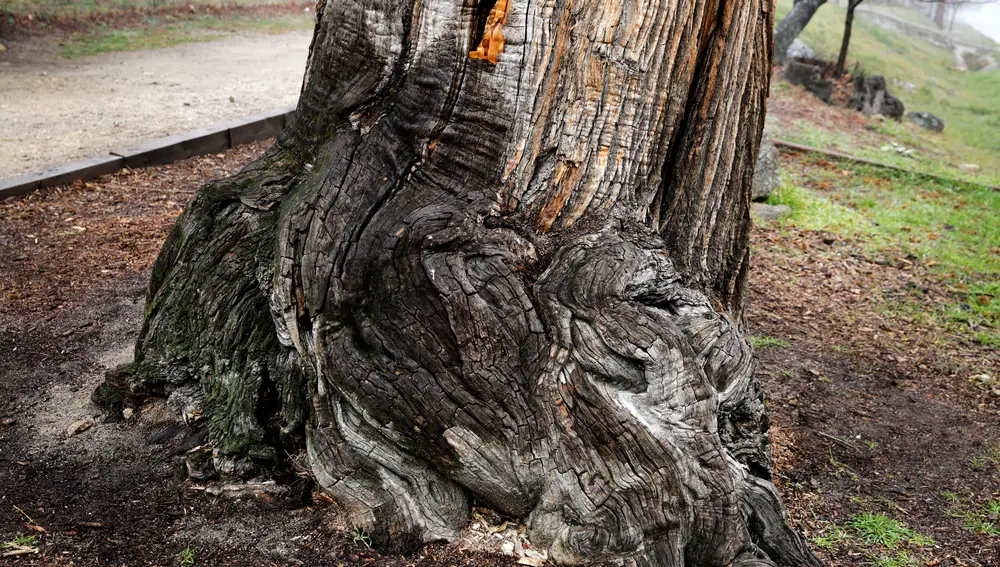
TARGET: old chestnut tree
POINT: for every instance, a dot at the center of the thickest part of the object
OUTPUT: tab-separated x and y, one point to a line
499	256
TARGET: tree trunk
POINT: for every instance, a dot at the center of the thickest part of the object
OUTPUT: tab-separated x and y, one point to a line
517	283
939	13
846	42
792	25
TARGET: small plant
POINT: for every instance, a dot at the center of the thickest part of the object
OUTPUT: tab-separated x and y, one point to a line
834	536
22	541
361	537
901	559
952	497
879	529
873	445
993	509
188	556
980	526
759	343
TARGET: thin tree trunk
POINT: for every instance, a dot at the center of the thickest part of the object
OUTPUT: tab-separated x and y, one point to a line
516	282
940	12
792	25
846	42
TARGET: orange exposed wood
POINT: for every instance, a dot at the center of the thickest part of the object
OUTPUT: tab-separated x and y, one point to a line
492	44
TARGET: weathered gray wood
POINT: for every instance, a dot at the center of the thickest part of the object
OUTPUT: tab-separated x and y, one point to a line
516	282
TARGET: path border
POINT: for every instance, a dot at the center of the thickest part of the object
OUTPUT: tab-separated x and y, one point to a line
262	126
802	148
162	151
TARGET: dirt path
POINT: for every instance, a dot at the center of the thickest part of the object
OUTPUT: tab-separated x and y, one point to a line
58	110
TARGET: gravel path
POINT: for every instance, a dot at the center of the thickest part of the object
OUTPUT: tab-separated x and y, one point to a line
54	111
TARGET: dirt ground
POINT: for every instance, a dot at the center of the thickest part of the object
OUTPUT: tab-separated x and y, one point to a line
869	413
57	110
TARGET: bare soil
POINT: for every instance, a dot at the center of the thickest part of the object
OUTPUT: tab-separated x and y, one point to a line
870	413
58	110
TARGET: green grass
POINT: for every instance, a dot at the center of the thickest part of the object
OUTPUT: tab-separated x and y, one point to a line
951	229
899	559
361	537
154	33
187	557
21	541
883	541
969	103
982	520
762	342
879	529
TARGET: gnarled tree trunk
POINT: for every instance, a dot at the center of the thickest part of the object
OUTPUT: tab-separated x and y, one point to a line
515	282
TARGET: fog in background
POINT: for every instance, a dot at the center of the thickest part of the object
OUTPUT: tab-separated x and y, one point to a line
985	18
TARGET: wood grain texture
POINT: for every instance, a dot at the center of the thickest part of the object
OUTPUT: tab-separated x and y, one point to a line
517	281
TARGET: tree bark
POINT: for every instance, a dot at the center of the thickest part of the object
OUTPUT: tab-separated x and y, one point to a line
846	41
792	25
516	283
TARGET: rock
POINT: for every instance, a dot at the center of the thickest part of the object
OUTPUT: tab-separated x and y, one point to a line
926	120
128	413
872	97
810	77
766	176
908	87
799	50
769	212
507	548
969	168
78	427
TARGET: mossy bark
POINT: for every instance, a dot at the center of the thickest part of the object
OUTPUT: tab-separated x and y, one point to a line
517	283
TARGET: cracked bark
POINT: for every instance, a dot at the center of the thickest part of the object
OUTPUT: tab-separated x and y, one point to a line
518	283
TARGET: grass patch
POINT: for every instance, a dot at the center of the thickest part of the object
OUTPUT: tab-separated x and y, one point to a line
21	541
952	230
157	33
187	557
883	541
762	342
879	529
967	102
983	520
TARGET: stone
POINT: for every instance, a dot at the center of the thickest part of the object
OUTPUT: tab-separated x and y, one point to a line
78	427
799	50
811	77
872	97
770	212
766	175
128	413
175	148
906	86
926	120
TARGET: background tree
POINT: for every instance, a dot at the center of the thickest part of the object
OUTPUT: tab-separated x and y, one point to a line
792	25
517	283
846	41
940	6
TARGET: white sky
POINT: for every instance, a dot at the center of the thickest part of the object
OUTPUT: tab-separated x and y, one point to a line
985	18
